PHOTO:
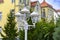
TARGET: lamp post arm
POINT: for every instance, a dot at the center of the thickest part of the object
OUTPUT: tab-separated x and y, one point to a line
25	22
32	25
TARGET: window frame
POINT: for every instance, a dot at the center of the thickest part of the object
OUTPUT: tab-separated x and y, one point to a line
0	15
0	29
43	13
12	1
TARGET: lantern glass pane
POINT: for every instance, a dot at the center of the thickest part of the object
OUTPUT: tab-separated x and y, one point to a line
34	19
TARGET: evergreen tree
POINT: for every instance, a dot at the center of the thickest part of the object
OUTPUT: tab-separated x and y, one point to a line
21	34
10	27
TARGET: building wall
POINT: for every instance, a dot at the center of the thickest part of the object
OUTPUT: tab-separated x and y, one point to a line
58	13
5	8
48	13
56	16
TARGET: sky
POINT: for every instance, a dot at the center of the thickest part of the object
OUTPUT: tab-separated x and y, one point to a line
54	3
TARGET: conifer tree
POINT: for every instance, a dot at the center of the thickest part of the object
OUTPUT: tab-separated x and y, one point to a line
10	27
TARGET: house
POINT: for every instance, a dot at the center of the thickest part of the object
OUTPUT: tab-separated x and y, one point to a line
46	10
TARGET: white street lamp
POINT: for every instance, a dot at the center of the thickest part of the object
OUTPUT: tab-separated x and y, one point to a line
18	15
19	18
26	12
34	17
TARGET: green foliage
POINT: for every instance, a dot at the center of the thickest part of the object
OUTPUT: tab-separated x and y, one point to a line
31	9
56	34
42	31
21	34
58	22
51	27
30	21
10	28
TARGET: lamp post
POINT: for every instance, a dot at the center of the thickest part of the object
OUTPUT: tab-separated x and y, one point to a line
25	11
23	16
19	17
34	16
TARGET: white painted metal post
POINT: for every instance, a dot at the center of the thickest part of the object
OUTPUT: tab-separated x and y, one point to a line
26	29
25	34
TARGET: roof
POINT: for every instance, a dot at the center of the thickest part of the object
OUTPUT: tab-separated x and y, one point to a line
43	4
33	3
58	10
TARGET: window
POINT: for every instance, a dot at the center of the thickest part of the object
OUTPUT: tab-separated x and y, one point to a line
50	13
1	1
24	1
43	13
12	1
37	8
0	29
0	15
20	1
28	2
